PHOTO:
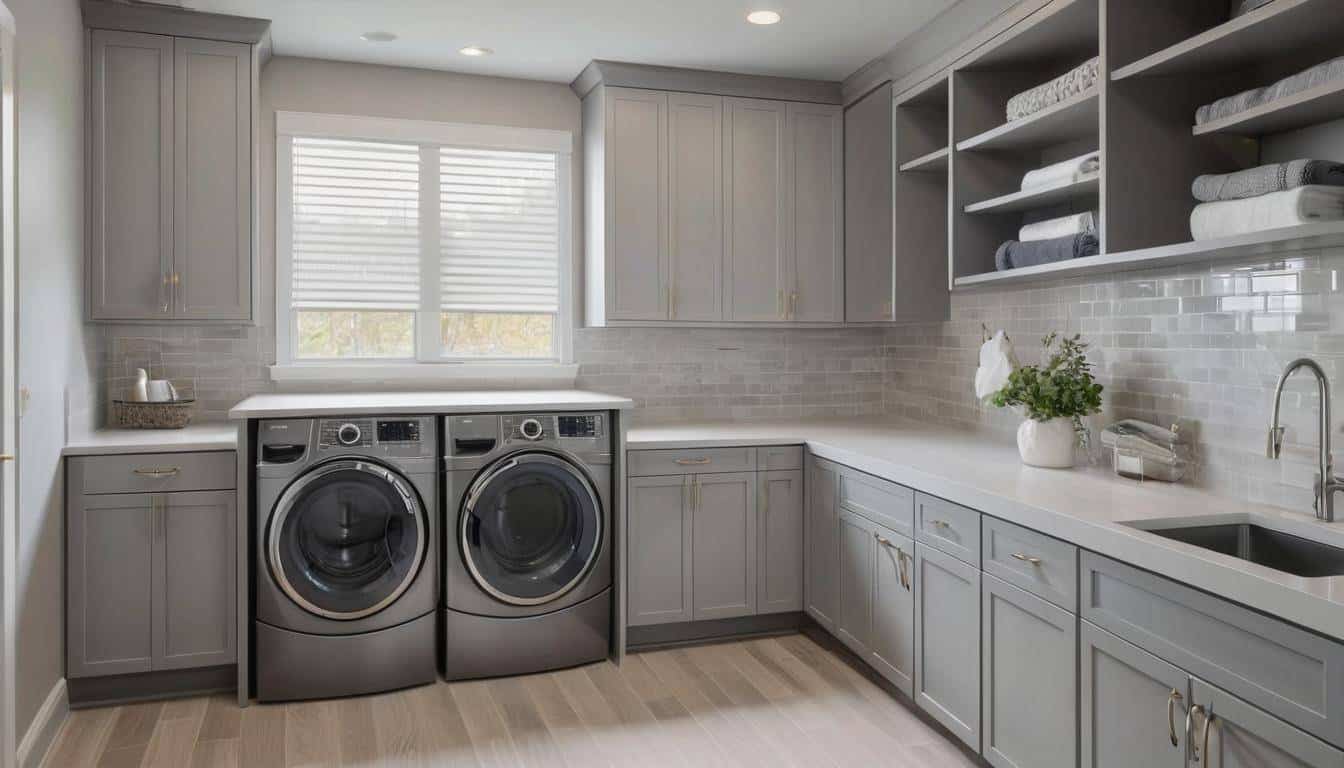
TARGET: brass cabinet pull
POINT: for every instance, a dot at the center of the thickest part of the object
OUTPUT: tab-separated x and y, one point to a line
1189	718
7	457
700	462
1209	721
940	524
779	303
901	558
1027	558
1172	698
157	473
884	541
793	305
672	300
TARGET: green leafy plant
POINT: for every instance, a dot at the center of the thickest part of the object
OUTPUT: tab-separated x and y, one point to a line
1063	387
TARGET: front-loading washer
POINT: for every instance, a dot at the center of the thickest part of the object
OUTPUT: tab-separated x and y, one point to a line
346	555
527	543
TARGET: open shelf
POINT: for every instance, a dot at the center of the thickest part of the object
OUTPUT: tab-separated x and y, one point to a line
1070	120
1321	104
1045	197
1274	242
1264	34
1064	33
933	162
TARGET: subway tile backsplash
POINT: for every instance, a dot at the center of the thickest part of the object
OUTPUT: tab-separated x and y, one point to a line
1199	345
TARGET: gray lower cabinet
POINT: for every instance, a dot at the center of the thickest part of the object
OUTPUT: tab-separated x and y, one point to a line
822	562
947	642
1132	706
150	582
876	615
1241	736
779	530
723	545
659	542
854	618
1030	679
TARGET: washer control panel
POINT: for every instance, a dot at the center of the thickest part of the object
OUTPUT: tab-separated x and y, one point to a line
585	425
351	433
404	436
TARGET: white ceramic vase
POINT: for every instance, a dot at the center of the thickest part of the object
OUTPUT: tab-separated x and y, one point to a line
1047	444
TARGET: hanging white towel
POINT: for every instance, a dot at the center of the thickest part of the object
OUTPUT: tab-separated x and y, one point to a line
1304	205
1078	224
1066	172
997	361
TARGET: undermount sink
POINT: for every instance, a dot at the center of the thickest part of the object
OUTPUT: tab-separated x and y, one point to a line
1263	546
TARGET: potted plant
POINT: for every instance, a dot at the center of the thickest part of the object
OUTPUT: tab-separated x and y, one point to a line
1054	398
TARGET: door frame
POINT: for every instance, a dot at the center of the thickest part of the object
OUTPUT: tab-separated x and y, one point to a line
8	394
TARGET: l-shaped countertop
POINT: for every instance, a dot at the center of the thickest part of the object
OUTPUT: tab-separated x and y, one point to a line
1086	506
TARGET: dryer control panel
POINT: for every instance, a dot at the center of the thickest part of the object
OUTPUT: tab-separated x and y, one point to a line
403	436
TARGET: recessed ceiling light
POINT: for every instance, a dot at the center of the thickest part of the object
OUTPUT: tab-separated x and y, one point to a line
763	17
475	50
378	37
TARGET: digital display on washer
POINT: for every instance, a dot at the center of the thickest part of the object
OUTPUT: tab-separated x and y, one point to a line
579	426
398	431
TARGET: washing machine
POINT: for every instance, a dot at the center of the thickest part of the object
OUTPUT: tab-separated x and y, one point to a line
346	553
527	545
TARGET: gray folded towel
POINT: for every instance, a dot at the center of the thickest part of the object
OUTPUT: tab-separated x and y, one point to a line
1243	7
1014	254
1276	177
1320	74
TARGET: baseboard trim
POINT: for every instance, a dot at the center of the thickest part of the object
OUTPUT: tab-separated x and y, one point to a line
42	732
659	636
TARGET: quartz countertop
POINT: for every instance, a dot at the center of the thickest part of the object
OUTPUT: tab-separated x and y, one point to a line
196	437
295	405
1086	506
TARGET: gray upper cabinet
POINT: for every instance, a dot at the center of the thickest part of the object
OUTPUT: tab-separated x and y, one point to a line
822	562
816	202
723	545
659	540
1241	736
194	622
756	241
109	584
695	206
171	178
1030	687
636	251
1132	707
779	531
947	642
869	259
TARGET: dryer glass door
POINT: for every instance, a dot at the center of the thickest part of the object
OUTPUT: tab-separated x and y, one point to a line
347	539
531	528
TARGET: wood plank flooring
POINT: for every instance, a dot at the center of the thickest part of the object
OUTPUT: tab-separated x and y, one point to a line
783	701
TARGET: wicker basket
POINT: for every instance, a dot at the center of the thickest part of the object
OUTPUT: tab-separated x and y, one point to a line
169	415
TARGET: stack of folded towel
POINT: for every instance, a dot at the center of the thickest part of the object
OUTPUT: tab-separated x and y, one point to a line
1269	197
1066	172
1015	254
1071	83
1320	74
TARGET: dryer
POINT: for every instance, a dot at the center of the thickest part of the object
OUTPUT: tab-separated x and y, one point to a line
527	544
346	553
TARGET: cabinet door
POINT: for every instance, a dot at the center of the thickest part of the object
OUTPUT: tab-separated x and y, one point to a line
755	210
823	550
1030	687
723	545
779	572
695	206
130	175
854	618
947	642
1242	736
892	644
636	204
212	221
816	207
1132	706
659	544
869	258
194	581
109	583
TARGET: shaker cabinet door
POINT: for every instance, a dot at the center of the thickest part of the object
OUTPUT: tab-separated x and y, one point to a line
1132	706
822	563
892	645
1242	736
947	642
723	545
869	258
854	619
636	205
780	550
194	581
109	583
659	545
816	213
756	231
695	206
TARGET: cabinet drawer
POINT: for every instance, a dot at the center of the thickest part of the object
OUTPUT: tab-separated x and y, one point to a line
779	457
884	503
690	461
154	472
1281	668
950	527
1040	564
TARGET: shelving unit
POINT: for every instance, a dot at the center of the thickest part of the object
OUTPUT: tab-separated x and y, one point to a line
1321	104
1071	120
919	191
1085	189
933	162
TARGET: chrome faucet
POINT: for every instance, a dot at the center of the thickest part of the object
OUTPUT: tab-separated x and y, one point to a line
1327	484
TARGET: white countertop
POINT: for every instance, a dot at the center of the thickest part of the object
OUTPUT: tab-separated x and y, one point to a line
298	405
1085	506
197	437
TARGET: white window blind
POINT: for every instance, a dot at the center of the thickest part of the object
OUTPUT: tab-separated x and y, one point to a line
356	238
499	231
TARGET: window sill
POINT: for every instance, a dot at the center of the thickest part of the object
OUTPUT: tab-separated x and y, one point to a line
555	374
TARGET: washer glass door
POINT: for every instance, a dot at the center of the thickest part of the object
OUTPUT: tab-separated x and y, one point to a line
531	528
347	539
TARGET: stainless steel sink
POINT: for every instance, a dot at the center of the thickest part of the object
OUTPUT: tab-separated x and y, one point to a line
1263	546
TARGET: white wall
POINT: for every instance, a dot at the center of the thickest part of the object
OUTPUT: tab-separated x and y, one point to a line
53	362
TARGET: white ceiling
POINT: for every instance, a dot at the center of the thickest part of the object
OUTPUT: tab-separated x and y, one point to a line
555	39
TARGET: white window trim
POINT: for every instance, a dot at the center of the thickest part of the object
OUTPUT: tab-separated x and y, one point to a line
430	135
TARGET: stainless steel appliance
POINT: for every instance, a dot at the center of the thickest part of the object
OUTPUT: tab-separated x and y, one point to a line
346	555
527	550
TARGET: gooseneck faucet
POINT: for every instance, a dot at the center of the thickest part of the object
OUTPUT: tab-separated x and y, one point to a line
1327	484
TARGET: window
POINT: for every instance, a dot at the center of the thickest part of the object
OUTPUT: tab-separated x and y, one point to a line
412	242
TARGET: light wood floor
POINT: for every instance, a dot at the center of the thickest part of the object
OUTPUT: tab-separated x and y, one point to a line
769	702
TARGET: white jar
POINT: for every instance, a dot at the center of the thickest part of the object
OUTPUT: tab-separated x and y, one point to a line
1047	444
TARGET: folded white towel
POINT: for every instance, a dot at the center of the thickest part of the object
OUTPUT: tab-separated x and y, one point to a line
1066	172
1304	205
1077	224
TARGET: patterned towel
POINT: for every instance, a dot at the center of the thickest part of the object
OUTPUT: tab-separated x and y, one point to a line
1013	254
1071	83
1320	74
1277	177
